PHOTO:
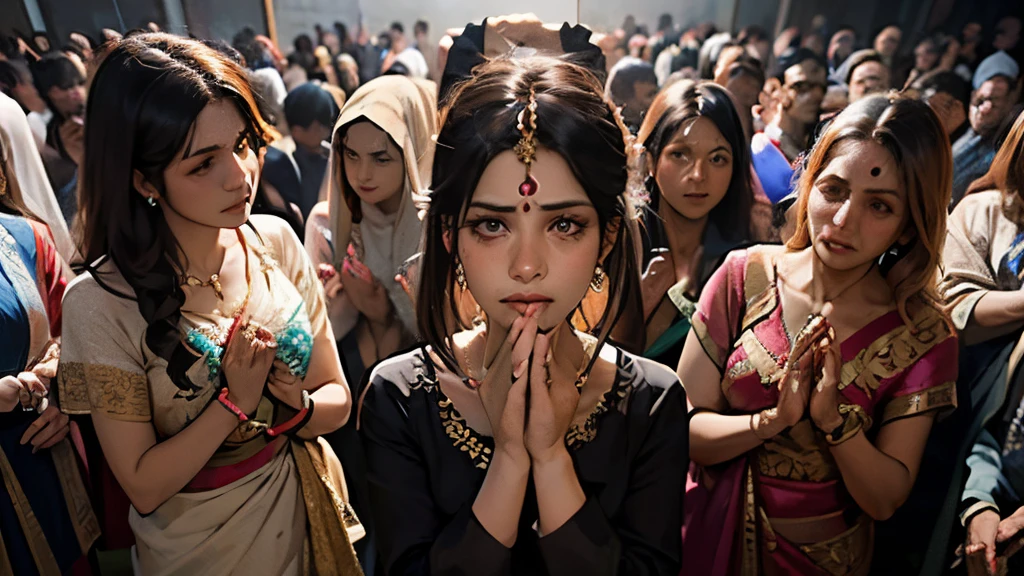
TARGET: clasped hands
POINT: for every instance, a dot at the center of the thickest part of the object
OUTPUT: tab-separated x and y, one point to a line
529	398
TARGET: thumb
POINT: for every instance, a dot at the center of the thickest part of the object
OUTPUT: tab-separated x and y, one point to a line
1009	527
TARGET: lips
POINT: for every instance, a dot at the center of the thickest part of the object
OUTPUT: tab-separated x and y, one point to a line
367	190
239	205
837	245
522	302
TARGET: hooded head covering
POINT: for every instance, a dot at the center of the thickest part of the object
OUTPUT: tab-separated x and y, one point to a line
26	177
405	109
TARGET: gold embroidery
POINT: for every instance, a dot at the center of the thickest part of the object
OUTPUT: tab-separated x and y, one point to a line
39	547
462	435
936	397
117	393
717	355
800	453
749	561
72	391
579	435
847	554
741	369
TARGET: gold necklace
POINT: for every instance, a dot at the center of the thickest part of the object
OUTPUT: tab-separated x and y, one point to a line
214	281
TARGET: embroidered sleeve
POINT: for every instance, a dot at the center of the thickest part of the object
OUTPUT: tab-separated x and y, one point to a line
929	384
718	312
100	369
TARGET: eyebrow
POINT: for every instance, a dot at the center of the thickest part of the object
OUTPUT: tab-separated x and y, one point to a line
377	153
211	148
846	183
546	207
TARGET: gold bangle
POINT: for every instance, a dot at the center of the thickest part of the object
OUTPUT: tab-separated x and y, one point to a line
854	420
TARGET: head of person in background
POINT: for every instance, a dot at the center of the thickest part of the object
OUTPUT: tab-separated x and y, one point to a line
788	38
397	33
331	41
421	33
41	43
77	56
348	70
84	43
997	88
61	84
342	33
310	112
803	75
887	43
709	53
815	43
742	75
632	86
927	53
698	160
757	42
970	42
303	44
1007	34
664	23
867	74
841	46
949	97
385	42
638	47
251	49
16	82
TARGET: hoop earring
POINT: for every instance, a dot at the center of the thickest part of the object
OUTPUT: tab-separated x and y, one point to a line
151	201
597	282
460	274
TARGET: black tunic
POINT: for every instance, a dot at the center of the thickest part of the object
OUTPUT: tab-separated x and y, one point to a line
425	467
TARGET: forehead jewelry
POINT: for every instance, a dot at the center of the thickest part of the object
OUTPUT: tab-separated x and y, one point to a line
876	171
526	149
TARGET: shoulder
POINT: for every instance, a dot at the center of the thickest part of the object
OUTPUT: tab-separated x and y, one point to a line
320	215
979	202
103	287
403	372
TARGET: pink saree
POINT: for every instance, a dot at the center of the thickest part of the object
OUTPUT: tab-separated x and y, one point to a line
783	508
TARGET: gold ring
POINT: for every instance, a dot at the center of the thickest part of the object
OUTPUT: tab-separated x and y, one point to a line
250	330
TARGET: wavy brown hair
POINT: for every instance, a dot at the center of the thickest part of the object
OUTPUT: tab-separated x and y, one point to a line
143	102
1006	173
912	133
478	122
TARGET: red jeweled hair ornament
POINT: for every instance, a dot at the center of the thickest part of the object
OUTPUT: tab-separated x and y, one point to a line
526	149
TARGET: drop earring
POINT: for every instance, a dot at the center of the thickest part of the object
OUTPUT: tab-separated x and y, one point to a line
597	282
151	201
460	274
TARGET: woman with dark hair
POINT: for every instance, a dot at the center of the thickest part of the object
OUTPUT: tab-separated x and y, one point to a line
525	443
698	167
196	338
982	282
817	369
45	516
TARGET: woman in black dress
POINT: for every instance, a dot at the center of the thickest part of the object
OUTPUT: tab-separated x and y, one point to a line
523	443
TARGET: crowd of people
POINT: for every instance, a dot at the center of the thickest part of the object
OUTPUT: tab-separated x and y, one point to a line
530	300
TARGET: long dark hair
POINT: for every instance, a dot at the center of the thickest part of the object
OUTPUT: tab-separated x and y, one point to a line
685	101
479	120
143	103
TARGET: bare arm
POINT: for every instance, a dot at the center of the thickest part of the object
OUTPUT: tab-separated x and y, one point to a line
880	478
328	387
998	312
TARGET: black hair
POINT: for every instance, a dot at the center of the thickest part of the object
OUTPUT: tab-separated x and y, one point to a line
944	81
861	57
308	103
574	120
147	92
686	101
396	69
421	26
12	74
55	70
752	34
396	26
303	43
624	77
793	56
664	22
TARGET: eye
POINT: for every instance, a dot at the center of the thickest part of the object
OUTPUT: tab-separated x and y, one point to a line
567	226
382	160
676	154
351	155
881	207
720	160
202	167
830	191
489	228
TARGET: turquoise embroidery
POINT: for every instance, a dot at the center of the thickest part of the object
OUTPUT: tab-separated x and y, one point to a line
294	345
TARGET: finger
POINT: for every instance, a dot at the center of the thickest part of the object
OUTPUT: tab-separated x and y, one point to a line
524	343
540	400
61	434
32	382
45	435
37	425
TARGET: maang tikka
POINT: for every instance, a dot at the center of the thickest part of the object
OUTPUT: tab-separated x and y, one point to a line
526	149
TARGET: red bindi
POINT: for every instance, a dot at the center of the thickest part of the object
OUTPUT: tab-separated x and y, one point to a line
526	206
528	187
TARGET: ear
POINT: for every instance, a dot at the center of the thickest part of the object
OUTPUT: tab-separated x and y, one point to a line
909	234
611	233
446	237
144	187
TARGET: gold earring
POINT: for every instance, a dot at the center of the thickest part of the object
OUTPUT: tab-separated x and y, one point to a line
460	274
597	282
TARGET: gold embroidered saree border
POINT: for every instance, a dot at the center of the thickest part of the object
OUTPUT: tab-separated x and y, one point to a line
934	398
112	391
46	562
328	514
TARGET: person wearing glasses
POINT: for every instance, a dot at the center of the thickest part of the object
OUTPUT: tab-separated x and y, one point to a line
996	91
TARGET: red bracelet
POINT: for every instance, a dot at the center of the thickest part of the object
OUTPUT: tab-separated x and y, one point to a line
295	422
230	406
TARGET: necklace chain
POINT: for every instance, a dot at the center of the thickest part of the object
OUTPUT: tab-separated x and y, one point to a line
214	281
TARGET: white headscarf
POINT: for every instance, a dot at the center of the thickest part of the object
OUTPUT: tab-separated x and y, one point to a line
406	110
26	177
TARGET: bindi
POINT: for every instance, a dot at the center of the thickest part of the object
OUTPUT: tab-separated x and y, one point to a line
876	171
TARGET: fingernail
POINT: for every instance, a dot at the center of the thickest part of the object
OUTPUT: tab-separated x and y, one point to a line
519	370
549	357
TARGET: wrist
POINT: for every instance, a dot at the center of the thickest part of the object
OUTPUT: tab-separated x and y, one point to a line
830	421
554	457
516	458
767	424
246	407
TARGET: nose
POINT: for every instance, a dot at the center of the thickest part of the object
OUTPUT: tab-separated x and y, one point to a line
528	262
365	174
697	171
843	214
237	175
